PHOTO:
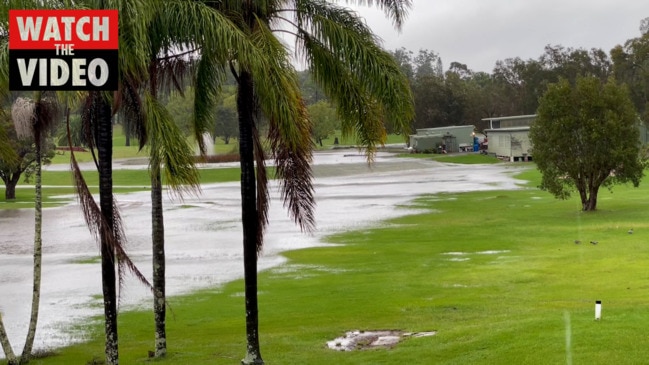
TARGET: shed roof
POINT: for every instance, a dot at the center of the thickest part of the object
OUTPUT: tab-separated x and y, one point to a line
512	129
511	117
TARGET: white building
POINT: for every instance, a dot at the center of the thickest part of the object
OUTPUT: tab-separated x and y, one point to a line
509	137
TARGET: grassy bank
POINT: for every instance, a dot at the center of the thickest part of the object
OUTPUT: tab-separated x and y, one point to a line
497	274
59	183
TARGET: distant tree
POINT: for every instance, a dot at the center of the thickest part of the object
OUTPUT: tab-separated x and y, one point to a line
404	60
77	134
427	63
181	107
585	137
311	91
631	66
644	26
324	119
226	123
25	150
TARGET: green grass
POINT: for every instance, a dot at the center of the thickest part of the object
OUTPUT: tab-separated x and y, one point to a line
512	306
59	183
121	151
461	158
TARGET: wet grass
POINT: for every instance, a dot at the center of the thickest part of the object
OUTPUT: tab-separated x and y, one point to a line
58	185
87	260
467	158
497	274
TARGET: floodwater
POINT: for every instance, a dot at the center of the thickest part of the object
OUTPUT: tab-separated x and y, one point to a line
203	236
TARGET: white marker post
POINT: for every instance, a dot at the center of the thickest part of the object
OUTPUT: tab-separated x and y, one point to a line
598	310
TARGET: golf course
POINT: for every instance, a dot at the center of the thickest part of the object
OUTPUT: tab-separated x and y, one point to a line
492	277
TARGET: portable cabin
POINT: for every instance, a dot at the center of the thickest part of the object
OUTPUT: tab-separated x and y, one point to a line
454	137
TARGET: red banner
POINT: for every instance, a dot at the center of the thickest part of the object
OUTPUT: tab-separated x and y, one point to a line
63	49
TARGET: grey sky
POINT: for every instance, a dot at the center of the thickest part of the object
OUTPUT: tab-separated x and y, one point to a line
480	32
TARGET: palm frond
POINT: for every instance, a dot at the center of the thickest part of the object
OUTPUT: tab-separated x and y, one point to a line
397	10
289	126
22	114
98	224
168	147
328	35
171	72
4	67
209	78
88	126
263	198
293	169
134	18
130	104
46	115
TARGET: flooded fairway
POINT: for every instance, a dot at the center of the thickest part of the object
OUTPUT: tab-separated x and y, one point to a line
203	236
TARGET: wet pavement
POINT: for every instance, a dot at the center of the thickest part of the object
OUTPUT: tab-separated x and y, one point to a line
203	235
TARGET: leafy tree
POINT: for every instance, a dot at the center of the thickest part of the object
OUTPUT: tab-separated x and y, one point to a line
226	124
585	137
325	120
403	57
24	148
311	92
181	106
631	66
427	63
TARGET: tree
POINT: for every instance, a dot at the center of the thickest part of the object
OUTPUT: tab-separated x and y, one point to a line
403	57
324	119
103	219
585	136
631	66
34	119
360	78
181	106
24	149
226	123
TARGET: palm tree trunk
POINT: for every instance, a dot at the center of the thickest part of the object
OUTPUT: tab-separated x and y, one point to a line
249	215
108	276
159	299
38	245
6	346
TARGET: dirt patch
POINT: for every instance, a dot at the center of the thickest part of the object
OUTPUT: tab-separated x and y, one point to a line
359	340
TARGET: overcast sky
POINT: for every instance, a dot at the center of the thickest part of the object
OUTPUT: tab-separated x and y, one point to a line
480	32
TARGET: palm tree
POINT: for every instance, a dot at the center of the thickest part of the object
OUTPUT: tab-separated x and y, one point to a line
150	28
191	26
34	119
345	59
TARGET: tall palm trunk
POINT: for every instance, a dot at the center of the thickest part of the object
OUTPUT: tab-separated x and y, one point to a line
38	246
159	299
249	215
6	346
108	276
158	238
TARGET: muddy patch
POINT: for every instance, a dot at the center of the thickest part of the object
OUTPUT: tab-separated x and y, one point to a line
360	340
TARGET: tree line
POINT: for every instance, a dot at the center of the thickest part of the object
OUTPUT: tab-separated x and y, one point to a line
457	95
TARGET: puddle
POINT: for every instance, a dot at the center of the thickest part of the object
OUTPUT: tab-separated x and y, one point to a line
492	252
360	340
